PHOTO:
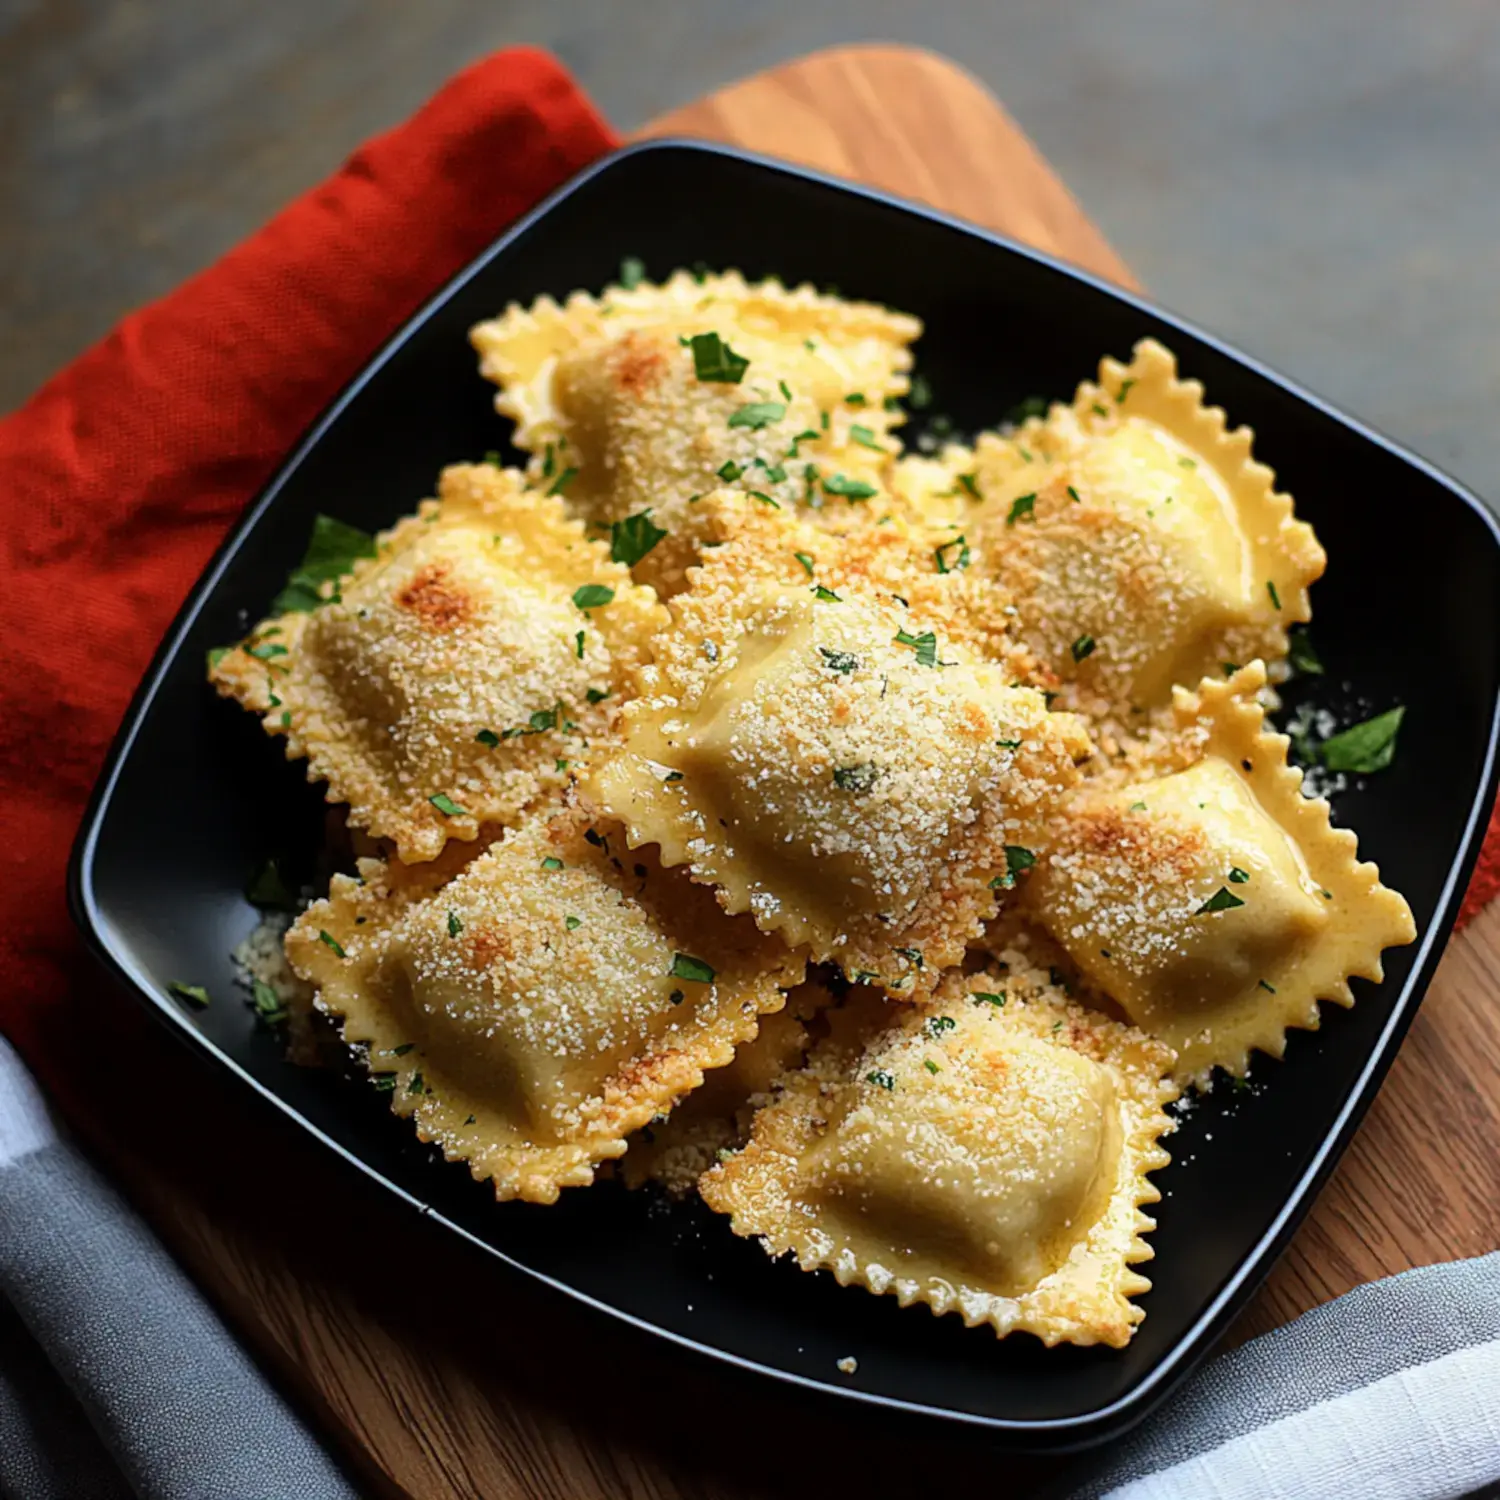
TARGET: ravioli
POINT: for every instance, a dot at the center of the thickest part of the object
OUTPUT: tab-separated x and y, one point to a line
675	1150
837	768
636	404
552	998
460	674
1141	543
986	1152
1216	904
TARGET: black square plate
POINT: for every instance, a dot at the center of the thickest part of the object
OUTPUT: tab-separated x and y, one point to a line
1407	614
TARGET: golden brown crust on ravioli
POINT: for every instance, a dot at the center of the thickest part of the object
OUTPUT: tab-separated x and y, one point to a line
452	679
1142	544
1216	903
532	1012
835	764
986	1153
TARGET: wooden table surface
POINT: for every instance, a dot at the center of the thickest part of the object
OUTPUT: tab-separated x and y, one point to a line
439	1377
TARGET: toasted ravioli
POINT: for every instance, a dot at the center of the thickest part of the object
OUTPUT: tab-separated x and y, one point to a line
1140	542
1216	904
546	1002
985	1152
675	1150
460	673
645	399
837	768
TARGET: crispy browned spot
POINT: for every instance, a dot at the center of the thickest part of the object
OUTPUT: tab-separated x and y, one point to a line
1107	832
639	363
489	943
436	600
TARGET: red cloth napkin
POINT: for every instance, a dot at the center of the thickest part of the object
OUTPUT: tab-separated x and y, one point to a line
119	477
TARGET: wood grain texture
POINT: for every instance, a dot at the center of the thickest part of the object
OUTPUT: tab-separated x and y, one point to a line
439	1377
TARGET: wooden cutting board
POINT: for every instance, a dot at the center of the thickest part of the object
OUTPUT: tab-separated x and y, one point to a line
438	1378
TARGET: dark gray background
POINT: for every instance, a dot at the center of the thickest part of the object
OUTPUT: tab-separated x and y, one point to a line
1318	182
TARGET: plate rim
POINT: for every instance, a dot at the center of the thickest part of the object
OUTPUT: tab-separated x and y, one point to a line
1191	1347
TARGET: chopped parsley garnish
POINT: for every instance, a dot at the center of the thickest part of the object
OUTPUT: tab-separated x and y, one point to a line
1083	647
1270	989
573	923
1017	858
1008	744
806	562
194	994
455	924
1222	899
493	459
596	695
383	1083
541	721
858	779
881	1079
937	1025
1124	391
988	997
1098	410
838	661
685	966
765	499
920	395
552	862
1300	653
1230	667
931	1066
416	1086
216	654
729	471
785	389
774	472
562	481
855	398
448	807
925	646
632	272
1022	505
330	941
827	596
1137	807
950	562
757	414
1238	876
1275	597
850	489
593	596
1073	495
266	650
549	461
332	551
970	482
578	645
865	437
268	890
713	359
1366	747
631	539
913	956
488	738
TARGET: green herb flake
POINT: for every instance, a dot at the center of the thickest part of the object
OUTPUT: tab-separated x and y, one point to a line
563	480
216	654
1270	989
925	645
1008	744
1074	496
1366	747
825	596
850	489
593	596
266	651
950	562
865	437
328	939
269	891
1275	597
931	1066
838	661
416	1086
757	414
455	924
1137	807
806	561
1083	647
632	272
765	499
194	994
1238	876
1022	505
882	1079
1098	410
685	966
858	779
785	390
714	360
573	923
448	807
970	484
729	471
988	997
937	1025
488	738
855	398
596	695
1301	656
578	644
552	862
1222	899
332	551
631	539
383	1083
1124	391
